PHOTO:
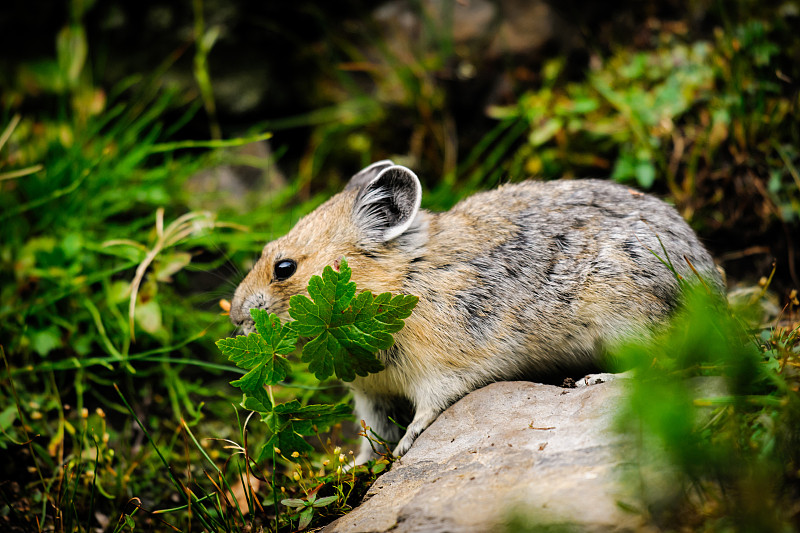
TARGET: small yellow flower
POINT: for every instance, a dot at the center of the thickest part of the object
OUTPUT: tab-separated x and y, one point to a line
337	450
342	458
100	413
296	476
295	454
276	450
84	413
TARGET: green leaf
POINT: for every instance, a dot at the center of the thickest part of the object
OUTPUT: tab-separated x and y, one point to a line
170	264
261	353
290	421
379	467
257	377
293	502
320	354
305	517
347	329
320	415
327	500
244	351
257	401
545	132
624	168
645	174
281	339
72	49
46	340
7	417
148	316
287	441
306	316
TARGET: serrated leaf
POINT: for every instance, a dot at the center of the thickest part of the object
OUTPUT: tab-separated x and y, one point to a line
269	372
281	339
396	307
290	421
244	351
261	353
251	380
317	353
306	315
254	403
347	328
340	351
287	441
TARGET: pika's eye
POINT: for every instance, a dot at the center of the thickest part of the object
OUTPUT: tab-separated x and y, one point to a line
284	269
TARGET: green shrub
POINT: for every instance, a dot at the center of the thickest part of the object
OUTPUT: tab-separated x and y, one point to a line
714	412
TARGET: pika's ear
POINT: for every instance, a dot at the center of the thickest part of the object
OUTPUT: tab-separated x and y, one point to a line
367	174
386	206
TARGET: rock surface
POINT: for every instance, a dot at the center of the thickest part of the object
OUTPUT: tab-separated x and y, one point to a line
546	454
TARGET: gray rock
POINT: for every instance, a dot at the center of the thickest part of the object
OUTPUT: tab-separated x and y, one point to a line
479	29
546	456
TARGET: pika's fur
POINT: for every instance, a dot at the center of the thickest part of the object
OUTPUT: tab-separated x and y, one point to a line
526	280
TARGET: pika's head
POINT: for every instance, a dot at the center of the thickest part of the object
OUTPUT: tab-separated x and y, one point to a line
365	223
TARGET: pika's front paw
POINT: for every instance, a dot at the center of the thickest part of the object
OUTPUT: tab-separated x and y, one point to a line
403	446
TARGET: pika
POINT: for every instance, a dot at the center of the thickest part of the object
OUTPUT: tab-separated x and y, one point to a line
530	279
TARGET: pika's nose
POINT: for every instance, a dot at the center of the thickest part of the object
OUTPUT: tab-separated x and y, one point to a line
240	309
238	313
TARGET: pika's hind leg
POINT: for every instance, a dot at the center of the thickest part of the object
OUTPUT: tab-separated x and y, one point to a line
374	411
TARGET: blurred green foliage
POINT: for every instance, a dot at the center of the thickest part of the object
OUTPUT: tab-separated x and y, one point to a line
714	409
681	113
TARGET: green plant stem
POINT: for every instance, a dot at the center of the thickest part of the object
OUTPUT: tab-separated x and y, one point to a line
213	144
274	491
203	42
788	162
12	125
98	321
21	172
